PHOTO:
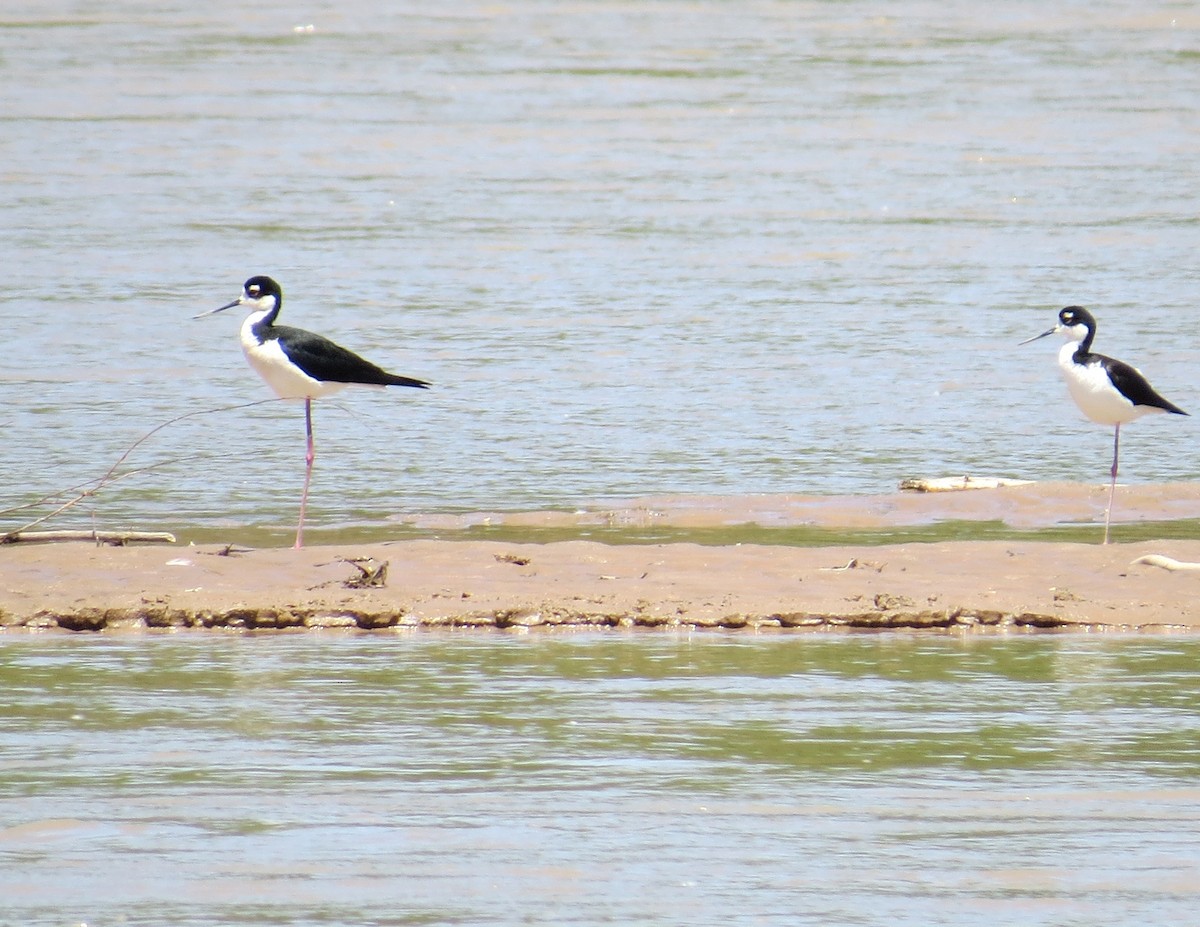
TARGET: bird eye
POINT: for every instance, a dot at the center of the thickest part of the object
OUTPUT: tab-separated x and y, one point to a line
253	290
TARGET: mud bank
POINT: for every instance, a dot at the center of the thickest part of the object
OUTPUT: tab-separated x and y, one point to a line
482	584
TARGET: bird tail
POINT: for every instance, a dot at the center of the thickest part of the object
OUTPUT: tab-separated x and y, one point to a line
396	380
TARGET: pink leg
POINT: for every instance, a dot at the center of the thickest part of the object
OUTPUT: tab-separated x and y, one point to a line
308	462
1112	489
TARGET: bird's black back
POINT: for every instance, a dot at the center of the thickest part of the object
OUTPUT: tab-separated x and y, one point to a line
324	360
1132	385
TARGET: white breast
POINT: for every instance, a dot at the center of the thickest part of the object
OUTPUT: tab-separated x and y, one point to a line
287	380
1094	392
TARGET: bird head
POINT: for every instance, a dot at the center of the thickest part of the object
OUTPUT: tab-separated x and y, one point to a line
260	293
1074	324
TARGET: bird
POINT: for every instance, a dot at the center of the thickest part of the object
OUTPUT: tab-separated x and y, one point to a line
1107	391
299	364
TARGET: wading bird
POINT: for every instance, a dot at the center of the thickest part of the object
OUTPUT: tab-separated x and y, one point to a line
1108	391
300	365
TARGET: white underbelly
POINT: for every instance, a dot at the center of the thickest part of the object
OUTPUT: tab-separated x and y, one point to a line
1095	395
287	380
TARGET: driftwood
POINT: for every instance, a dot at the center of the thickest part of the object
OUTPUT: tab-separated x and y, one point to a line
115	538
1167	563
958	483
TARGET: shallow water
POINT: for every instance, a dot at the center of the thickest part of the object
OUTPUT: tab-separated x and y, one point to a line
598	779
639	247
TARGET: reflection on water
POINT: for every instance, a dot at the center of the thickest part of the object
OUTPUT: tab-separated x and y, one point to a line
638	247
590	779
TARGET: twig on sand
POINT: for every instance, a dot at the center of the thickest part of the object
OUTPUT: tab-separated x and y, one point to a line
115	538
853	564
371	572
229	550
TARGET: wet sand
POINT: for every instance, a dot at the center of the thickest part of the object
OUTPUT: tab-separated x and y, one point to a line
1028	506
449	582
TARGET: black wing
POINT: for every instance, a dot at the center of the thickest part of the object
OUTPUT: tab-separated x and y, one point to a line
324	360
1135	387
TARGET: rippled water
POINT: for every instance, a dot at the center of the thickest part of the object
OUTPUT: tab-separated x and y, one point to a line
599	779
639	247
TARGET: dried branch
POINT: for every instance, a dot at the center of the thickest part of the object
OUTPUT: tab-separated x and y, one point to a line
91	487
115	538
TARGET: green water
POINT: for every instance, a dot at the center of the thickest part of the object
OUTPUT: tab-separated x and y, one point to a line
725	535
487	778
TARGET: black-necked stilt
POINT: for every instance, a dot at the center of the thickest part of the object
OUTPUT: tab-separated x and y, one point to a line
1108	391
300	365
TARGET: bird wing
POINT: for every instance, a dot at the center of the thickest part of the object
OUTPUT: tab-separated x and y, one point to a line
328	361
1135	387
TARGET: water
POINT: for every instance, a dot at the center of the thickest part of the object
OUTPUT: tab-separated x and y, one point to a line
599	779
687	247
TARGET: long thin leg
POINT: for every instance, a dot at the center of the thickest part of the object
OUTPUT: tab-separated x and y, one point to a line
308	462
1112	489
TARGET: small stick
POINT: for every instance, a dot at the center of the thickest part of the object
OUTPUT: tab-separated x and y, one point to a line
116	538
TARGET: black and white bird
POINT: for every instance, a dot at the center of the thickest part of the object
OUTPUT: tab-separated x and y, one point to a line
1108	391
298	364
